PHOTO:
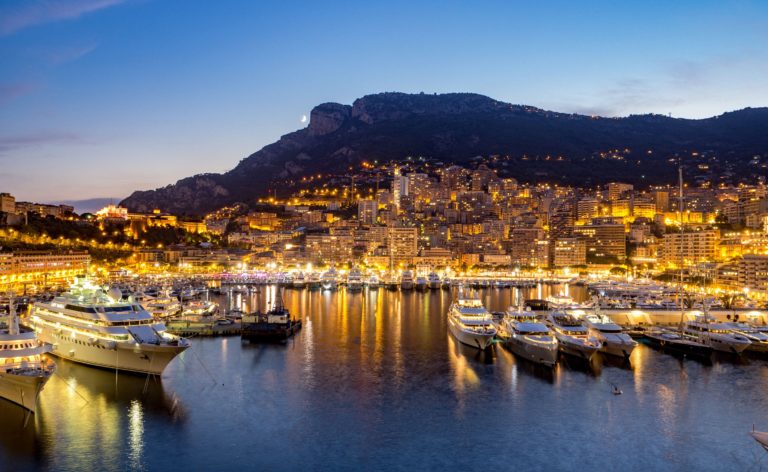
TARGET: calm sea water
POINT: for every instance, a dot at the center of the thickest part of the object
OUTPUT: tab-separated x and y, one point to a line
375	382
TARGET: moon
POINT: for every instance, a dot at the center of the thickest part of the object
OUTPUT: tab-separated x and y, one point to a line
303	118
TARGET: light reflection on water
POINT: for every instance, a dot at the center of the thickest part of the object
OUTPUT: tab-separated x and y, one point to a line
374	381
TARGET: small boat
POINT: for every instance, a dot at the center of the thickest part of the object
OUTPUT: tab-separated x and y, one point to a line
373	282
314	281
276	325
616	390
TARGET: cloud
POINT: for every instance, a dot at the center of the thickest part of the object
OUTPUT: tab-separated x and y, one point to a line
11	143
65	55
37	12
10	91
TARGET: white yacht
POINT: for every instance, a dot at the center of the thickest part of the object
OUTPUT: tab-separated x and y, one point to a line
759	338
718	336
314	281
199	308
355	280
527	337
23	368
373	281
162	306
421	283
470	323
612	337
94	327
299	281
406	280
330	279
572	336
433	280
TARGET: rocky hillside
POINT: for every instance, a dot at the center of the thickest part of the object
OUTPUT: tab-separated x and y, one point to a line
457	127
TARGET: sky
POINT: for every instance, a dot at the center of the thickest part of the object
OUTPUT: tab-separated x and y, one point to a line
99	98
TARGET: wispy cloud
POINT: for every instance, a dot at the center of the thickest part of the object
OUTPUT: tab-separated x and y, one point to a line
10	91
70	54
11	143
30	13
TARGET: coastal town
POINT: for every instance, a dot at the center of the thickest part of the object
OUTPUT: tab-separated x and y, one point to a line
416	216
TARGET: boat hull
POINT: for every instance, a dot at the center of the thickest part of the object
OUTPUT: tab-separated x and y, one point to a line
23	390
540	354
129	357
581	351
477	340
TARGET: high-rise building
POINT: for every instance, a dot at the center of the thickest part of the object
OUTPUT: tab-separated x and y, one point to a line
569	252
616	190
690	247
403	245
399	188
661	199
604	240
367	211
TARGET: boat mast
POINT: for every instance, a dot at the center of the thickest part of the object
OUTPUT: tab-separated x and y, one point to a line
682	260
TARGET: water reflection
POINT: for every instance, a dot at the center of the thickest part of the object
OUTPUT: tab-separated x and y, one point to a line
374	380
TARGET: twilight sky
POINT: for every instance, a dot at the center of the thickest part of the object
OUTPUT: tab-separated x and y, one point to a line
102	97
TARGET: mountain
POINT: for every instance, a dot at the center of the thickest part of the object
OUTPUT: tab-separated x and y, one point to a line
455	127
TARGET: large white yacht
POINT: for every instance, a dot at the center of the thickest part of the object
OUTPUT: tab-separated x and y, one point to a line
719	336
528	337
23	368
355	280
162	306
330	279
470	323
572	336
613	339
94	327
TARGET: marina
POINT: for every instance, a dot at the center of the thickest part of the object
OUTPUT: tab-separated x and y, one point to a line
360	349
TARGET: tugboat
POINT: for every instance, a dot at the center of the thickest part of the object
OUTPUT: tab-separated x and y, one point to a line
276	325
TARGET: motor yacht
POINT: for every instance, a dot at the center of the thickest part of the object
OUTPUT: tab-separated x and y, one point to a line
330	279
162	306
527	337
470	323
355	280
719	336
614	341
373	282
572	335
758	337
299	281
675	341
24	370
421	283
93	326
314	281
433	280
406	280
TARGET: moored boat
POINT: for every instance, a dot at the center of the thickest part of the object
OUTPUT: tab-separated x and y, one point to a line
470	323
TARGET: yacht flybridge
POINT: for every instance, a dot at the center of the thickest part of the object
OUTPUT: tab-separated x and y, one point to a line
96	327
613	339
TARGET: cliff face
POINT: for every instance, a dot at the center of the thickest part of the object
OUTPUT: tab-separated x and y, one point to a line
455	128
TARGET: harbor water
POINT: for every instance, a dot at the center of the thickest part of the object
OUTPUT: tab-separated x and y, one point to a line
374	381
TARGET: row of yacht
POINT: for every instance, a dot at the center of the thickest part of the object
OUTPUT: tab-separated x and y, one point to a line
355	280
540	337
